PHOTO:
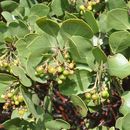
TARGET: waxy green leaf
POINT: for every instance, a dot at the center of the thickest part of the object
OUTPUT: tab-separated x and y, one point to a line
118	66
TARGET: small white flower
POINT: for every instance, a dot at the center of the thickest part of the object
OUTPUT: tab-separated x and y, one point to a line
96	41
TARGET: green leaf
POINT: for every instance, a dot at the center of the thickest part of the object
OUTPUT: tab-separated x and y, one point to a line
27	3
39	10
77	83
9	5
81	50
125	107
29	103
5	81
35	99
59	6
32	22
18	29
3	27
119	41
123	123
31	50
119	123
83	67
3	30
22	51
32	61
6	78
47	103
103	26
57	124
76	27
40	45
118	66
89	18
78	102
48	26
119	19
13	124
21	46
18	124
18	71
112	4
38	49
126	122
99	55
7	16
15	114
40	124
3	88
56	7
19	12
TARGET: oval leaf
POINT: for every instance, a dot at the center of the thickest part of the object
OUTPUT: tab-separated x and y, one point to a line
78	102
89	18
77	83
119	41
57	124
18	71
48	26
18	29
99	55
119	19
39	10
76	27
28	100
112	4
9	5
118	66
80	48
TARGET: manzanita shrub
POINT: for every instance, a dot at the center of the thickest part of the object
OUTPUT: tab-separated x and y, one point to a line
64	65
